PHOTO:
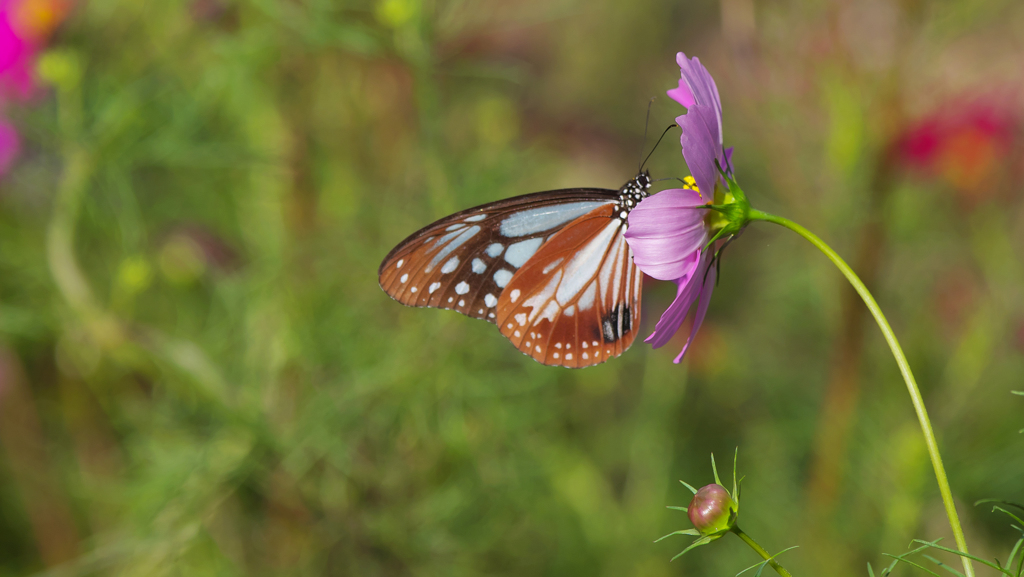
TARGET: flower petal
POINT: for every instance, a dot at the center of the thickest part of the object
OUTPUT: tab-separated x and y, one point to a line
702	306
675	314
664	232
700	147
682	94
701	126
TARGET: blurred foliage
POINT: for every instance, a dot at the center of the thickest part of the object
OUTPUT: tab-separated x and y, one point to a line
199	374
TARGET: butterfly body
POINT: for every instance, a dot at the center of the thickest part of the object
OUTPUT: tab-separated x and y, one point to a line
551	269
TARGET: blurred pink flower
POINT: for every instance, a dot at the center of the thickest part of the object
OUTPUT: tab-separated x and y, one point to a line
25	26
17	55
669	232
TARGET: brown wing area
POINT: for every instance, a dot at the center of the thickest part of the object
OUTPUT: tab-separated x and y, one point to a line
464	261
576	302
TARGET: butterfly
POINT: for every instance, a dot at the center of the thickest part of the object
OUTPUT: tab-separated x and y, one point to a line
551	269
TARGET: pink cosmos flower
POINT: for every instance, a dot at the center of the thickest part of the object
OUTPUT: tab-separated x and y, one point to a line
670	233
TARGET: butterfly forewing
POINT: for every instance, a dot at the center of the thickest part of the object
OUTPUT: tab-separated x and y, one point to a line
576	302
465	261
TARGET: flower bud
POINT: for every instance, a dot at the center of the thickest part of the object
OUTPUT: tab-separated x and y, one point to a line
712	510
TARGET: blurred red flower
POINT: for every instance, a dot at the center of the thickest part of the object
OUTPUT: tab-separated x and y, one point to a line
963	143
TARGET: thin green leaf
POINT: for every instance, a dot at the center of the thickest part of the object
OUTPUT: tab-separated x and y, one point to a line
1021	393
694	545
1015	518
943	565
751	567
735	485
692	532
871	572
1013	552
687	485
1001	502
674	508
715	469
766	560
912	564
960	553
892	566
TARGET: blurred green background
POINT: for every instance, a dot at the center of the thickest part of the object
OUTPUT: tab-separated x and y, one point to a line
200	376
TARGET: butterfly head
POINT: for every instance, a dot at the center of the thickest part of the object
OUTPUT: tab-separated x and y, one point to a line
632	193
641	181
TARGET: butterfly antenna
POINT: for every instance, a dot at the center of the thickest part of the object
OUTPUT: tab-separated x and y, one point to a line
670	127
670	178
647	122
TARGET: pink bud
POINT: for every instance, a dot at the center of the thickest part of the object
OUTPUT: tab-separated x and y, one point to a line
712	510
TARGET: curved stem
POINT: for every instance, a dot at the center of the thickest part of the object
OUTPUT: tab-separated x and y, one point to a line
760	551
901	360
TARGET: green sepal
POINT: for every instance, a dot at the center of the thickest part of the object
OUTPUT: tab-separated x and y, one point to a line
714	469
695	544
691	532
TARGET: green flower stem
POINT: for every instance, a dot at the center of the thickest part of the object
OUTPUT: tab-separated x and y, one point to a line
760	551
901	360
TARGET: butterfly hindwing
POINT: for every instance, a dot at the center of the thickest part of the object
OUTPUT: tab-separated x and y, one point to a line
465	261
576	302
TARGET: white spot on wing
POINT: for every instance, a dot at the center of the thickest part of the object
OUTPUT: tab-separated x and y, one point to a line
456	226
404	278
478	266
545	218
462	303
433	287
462	288
520	252
401	261
514	295
521	319
413	289
494	249
452	264
476	218
502	277
489	300
568	356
